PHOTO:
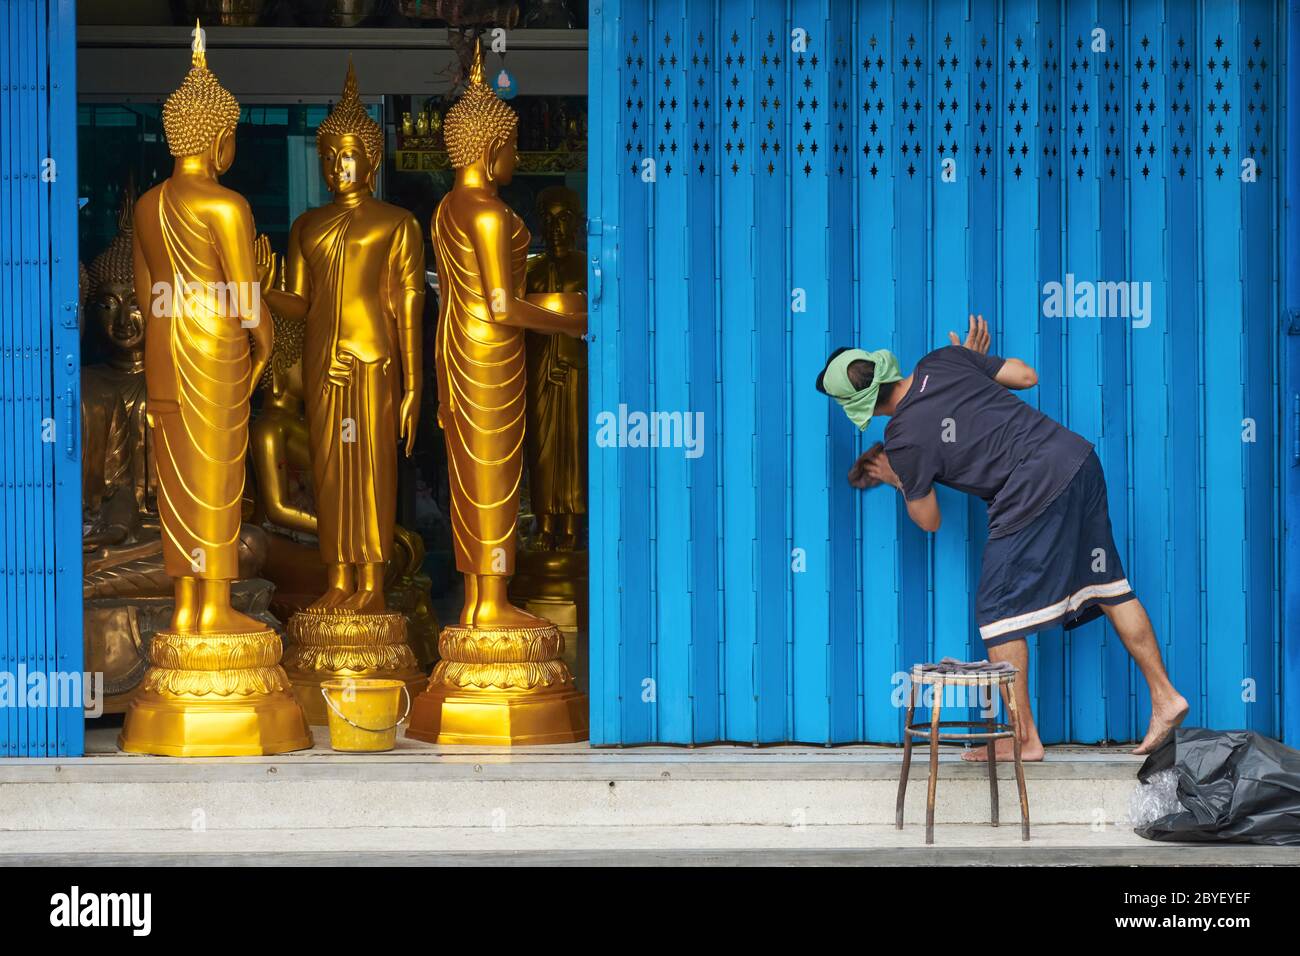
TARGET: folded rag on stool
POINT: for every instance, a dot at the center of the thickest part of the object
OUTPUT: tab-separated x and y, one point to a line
950	665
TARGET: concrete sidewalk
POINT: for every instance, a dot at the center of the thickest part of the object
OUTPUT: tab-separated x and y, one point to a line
734	845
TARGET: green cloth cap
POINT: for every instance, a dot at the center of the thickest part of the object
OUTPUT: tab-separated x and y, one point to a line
859	404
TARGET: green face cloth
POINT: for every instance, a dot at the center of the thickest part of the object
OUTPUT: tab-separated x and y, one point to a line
859	405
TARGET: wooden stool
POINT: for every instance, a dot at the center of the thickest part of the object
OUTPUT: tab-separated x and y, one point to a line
994	731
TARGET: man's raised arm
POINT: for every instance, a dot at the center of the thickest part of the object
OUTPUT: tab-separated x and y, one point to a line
1013	374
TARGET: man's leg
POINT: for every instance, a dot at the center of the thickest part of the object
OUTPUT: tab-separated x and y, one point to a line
1031	747
1168	708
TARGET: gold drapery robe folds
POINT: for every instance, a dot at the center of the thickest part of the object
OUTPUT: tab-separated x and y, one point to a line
481	376
352	376
198	368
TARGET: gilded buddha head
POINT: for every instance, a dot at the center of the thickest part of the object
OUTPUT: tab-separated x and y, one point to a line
111	301
350	143
559	210
481	128
201	115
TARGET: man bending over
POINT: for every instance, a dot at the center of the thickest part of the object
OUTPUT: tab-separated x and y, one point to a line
1050	557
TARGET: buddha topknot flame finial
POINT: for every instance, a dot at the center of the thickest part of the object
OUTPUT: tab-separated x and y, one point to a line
198	56
476	68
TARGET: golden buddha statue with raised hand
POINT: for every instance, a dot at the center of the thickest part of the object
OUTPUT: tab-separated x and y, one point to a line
214	686
355	272
501	679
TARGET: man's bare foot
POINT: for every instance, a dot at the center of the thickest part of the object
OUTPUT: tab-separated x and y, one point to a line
1030	751
1164	718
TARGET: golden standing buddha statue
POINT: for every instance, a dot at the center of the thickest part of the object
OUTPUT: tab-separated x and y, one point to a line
556	435
501	679
355	272
214	686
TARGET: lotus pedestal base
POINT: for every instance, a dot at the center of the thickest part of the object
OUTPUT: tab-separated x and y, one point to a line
500	687
214	695
329	644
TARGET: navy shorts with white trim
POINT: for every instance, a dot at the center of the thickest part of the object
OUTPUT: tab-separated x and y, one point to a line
1058	569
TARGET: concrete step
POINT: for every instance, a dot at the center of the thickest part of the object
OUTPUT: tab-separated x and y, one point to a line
732	845
418	786
572	805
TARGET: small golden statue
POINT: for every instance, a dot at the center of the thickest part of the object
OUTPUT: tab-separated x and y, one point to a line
551	580
556	435
214	686
501	679
355	273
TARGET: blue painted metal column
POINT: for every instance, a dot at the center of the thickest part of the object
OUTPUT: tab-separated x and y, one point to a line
1290	340
40	457
1257	95
877	292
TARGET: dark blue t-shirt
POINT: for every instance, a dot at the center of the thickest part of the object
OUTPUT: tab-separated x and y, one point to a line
956	426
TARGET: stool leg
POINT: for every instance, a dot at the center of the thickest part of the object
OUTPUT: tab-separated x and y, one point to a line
934	762
993	769
907	755
1020	767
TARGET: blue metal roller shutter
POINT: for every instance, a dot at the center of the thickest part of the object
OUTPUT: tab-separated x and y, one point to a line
748	594
40	470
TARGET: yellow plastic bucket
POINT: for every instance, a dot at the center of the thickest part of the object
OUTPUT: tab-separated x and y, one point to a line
363	713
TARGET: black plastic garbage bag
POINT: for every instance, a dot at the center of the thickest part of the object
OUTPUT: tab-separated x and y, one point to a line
1235	786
